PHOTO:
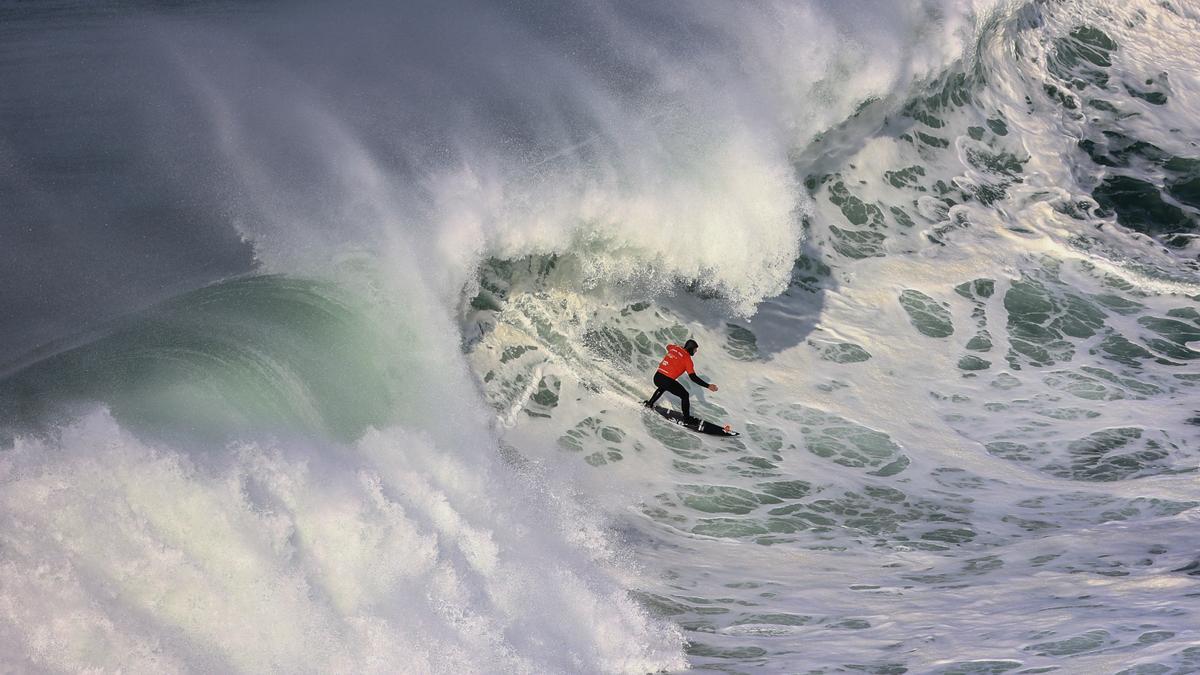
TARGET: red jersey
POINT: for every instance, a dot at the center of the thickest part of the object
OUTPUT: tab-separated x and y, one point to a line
676	362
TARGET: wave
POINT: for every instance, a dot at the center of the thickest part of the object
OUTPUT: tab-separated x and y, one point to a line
261	475
904	236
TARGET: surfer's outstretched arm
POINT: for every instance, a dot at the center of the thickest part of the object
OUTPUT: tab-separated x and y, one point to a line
696	378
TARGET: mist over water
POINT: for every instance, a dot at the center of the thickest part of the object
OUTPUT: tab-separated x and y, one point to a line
463	129
325	328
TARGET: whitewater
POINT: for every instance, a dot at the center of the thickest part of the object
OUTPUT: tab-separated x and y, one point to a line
324	332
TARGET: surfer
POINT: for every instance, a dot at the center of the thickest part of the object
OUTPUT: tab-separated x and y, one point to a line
677	362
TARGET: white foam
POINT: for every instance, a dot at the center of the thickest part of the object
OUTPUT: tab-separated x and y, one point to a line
392	555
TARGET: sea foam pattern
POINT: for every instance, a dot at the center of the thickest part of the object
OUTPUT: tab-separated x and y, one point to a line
939	257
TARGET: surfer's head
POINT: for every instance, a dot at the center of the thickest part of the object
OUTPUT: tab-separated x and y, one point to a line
690	347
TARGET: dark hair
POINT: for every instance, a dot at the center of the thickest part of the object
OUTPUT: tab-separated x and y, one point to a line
690	347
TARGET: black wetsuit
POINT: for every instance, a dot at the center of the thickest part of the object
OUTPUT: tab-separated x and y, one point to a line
665	383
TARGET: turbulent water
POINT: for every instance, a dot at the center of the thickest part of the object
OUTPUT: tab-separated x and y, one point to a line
325	328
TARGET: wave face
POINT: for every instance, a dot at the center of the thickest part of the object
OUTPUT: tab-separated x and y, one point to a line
328	331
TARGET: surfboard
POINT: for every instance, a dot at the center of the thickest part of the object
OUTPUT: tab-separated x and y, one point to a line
704	427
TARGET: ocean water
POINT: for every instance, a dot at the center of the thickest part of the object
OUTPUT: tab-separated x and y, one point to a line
323	332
